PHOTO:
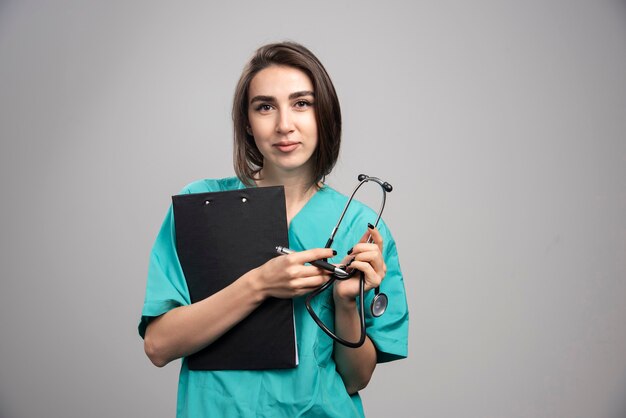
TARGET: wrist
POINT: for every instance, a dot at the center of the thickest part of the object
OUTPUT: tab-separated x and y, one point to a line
343	302
254	282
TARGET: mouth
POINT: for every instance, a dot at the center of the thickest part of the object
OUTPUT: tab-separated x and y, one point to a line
286	146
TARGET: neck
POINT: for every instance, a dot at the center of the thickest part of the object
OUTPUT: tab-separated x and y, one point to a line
297	183
298	188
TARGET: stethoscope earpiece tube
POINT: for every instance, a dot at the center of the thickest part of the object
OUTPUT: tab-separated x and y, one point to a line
380	301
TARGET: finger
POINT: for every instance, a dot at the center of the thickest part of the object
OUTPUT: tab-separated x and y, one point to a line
346	260
364	247
377	238
302	271
369	257
374	258
307	256
365	236
372	279
307	284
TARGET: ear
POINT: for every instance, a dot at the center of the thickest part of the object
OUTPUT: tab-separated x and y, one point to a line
249	130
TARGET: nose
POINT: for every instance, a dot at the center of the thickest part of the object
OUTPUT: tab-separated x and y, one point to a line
284	124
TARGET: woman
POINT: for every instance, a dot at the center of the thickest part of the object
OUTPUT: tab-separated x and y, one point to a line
287	124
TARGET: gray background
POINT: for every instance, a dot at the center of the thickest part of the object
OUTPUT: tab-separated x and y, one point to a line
501	125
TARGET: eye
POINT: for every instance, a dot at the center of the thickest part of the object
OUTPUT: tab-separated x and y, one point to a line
263	108
302	104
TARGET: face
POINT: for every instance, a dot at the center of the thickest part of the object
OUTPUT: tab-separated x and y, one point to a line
281	114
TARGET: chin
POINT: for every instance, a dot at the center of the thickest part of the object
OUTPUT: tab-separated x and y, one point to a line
291	164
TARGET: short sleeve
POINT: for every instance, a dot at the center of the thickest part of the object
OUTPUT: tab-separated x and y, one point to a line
166	285
390	331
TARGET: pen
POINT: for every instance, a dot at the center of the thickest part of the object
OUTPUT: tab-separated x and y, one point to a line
340	273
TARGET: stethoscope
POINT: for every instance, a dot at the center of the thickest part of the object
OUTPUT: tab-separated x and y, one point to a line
380	301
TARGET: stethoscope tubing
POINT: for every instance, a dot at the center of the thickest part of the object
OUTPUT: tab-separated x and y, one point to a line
323	326
345	209
379	297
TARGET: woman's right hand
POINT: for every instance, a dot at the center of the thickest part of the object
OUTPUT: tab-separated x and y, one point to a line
287	276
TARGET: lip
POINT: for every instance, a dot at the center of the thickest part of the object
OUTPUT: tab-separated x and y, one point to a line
286	146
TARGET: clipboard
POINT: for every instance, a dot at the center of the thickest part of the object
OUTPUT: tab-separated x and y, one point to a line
219	237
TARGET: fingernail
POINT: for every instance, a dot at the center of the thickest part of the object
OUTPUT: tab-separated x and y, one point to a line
350	251
334	252
370	226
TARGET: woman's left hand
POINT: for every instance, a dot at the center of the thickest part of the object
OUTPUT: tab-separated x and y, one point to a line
368	258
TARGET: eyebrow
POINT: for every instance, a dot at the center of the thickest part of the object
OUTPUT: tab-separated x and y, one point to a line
291	96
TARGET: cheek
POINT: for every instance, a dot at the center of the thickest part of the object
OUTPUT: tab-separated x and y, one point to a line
311	125
258	127
315	132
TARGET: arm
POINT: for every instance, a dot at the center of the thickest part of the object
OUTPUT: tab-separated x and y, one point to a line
356	365
187	329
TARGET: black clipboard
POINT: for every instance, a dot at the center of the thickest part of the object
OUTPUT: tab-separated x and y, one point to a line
219	237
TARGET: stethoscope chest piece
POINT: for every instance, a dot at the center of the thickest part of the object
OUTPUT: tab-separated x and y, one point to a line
379	305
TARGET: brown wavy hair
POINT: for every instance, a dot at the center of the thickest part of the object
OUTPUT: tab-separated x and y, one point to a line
248	160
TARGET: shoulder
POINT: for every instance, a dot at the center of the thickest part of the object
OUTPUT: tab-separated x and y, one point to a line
213	185
356	209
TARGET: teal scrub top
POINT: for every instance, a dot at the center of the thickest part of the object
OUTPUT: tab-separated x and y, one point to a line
314	388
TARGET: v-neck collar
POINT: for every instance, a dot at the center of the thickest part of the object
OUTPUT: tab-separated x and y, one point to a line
307	204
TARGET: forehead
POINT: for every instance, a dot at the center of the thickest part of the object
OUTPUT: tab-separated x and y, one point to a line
279	82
